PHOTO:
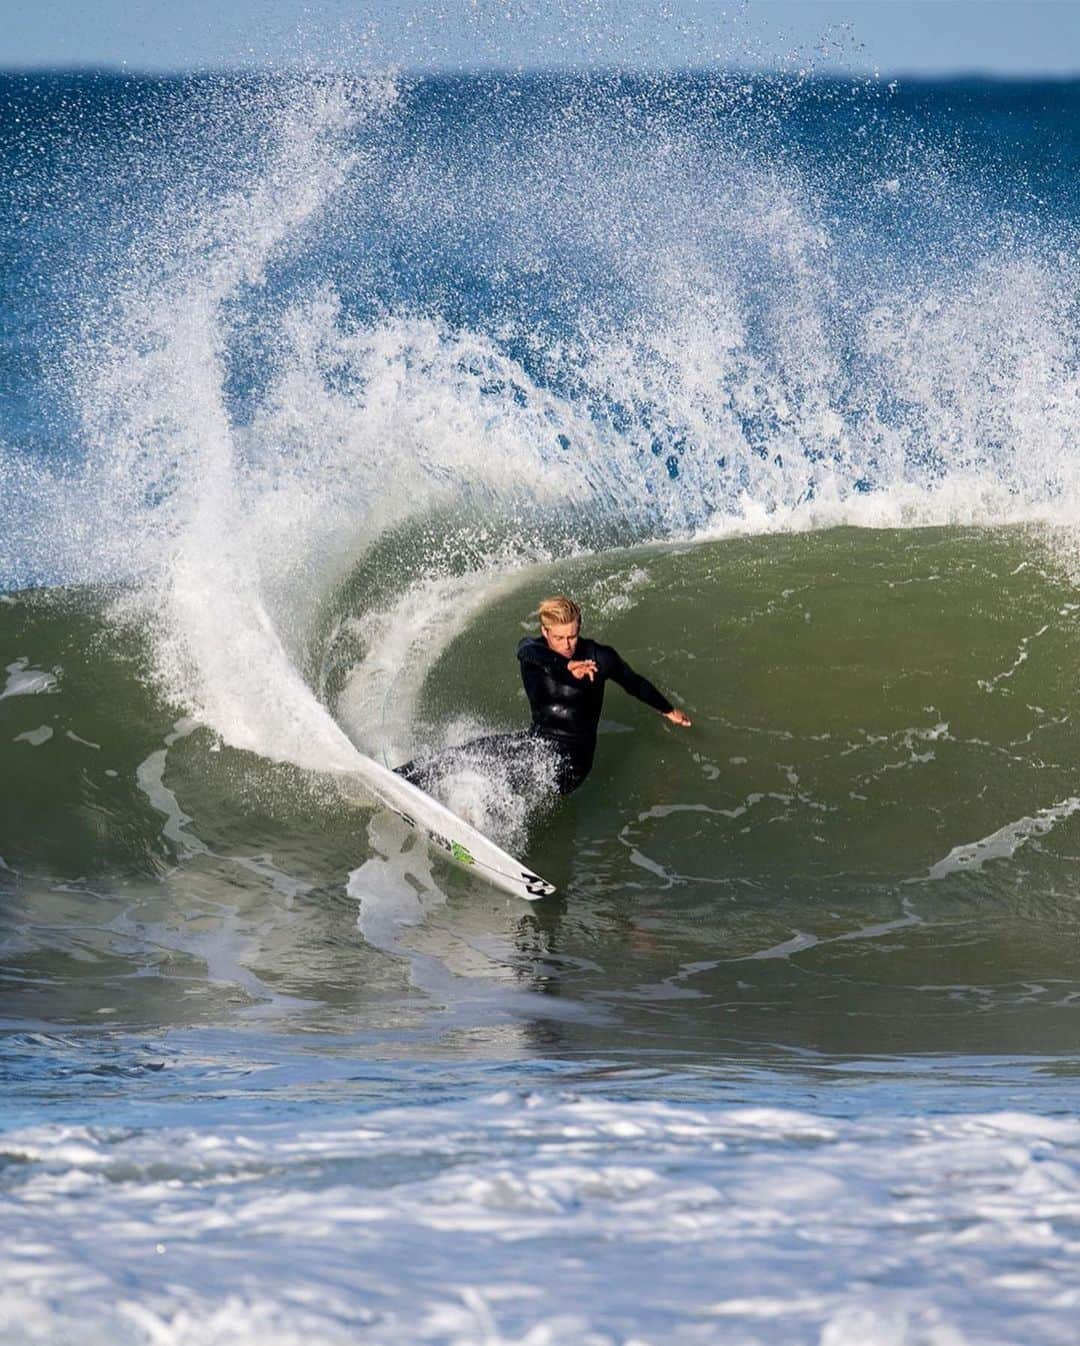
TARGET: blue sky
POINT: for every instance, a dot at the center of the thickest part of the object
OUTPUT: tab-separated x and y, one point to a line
1007	37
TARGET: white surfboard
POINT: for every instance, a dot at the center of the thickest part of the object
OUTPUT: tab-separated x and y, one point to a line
451	834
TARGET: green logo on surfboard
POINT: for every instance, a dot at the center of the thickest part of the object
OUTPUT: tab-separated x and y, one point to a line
460	854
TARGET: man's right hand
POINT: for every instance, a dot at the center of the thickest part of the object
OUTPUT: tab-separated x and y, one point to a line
582	668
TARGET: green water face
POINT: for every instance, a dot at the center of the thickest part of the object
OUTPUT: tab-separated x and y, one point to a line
867	839
866	843
150	875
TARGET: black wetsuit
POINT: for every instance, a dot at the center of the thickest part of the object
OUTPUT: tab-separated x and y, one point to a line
565	713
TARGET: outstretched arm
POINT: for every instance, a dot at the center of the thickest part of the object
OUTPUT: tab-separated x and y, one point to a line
620	671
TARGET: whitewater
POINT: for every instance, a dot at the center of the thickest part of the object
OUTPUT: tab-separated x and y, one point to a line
311	387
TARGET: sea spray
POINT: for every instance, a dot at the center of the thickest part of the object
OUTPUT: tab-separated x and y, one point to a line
663	324
163	447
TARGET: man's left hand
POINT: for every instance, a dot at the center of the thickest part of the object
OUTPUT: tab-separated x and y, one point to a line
582	668
678	716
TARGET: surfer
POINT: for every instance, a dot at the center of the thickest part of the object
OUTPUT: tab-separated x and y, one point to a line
564	674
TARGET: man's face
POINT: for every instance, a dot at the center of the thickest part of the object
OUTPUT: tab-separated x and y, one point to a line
562	639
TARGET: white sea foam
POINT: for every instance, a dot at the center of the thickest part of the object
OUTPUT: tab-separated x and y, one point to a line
36	737
25	680
447	1223
970	857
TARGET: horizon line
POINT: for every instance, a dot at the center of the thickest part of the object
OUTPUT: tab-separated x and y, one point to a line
127	70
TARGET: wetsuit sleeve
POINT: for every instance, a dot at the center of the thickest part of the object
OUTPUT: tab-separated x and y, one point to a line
533	651
615	667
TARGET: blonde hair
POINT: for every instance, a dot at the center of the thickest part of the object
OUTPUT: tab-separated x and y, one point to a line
559	611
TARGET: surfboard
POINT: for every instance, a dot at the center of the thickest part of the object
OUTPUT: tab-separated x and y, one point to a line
442	828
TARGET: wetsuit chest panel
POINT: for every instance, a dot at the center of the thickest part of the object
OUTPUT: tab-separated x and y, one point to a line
561	704
569	708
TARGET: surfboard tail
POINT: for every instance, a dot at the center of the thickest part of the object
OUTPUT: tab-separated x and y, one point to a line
453	836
